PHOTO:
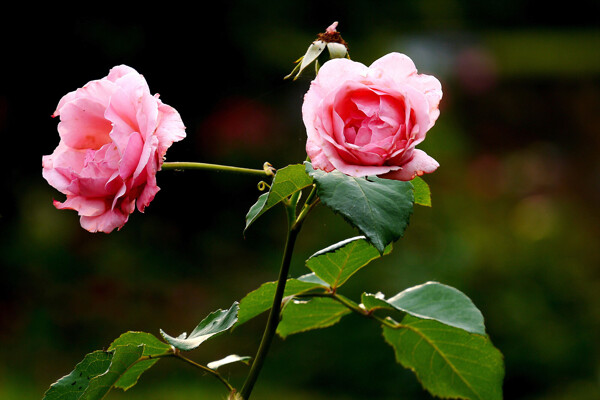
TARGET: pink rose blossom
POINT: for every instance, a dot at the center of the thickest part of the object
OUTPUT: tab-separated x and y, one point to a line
367	120
113	138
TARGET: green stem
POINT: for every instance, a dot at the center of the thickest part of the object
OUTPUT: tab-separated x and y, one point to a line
205	369
273	320
213	167
352	307
294	226
176	353
309	204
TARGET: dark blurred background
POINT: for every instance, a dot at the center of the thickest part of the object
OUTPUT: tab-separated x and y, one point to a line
514	222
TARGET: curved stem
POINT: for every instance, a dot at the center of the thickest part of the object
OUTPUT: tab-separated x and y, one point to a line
205	369
213	167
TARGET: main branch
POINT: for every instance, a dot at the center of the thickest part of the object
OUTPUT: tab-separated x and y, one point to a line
294	226
273	320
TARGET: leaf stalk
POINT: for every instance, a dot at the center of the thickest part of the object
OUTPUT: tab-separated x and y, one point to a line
205	369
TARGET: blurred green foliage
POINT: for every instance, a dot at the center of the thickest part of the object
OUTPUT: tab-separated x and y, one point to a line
514	223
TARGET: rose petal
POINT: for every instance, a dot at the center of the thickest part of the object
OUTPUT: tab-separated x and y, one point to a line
85	206
420	164
106	222
402	70
146	196
119	71
82	124
395	66
123	108
170	128
317	158
131	155
98	91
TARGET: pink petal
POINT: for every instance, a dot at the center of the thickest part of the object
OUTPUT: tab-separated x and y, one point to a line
432	88
420	164
123	108
148	156
170	128
60	167
85	206
98	91
331	28
106	222
131	155
82	124
147	114
402	70
317	157
396	66
119	71
147	196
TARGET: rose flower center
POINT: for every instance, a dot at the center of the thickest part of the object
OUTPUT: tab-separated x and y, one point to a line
372	121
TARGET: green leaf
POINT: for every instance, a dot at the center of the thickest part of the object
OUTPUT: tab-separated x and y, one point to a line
313	278
442	303
449	362
422	192
287	181
121	366
379	208
318	312
72	386
123	358
375	301
256	209
228	360
217	322
261	299
151	347
337	263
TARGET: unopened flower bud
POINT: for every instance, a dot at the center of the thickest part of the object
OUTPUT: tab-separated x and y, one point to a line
331	39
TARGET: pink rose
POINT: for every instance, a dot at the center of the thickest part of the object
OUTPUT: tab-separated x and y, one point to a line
367	120
113	137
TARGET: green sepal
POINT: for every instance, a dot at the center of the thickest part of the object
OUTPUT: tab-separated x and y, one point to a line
312	54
